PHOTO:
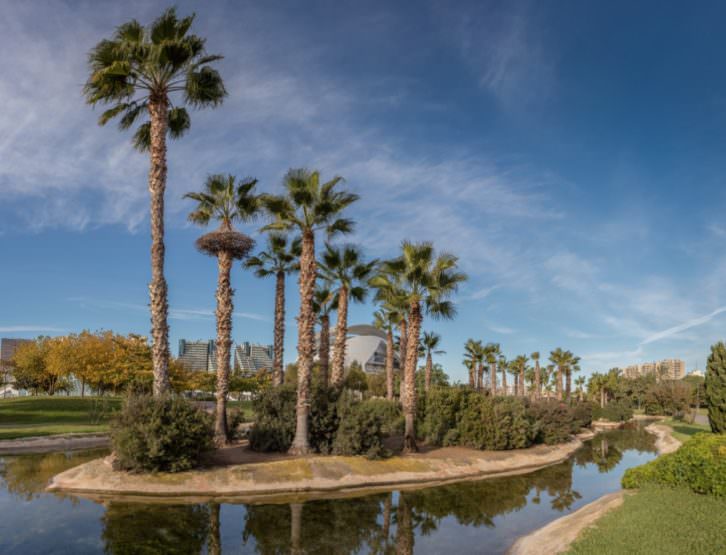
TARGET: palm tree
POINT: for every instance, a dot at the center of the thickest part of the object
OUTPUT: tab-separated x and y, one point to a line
519	365
325	301
548	376
307	206
491	352
579	383
503	364
279	259
226	200
537	375
559	358
473	359
344	269
430	341
386	318
573	365
428	281
138	71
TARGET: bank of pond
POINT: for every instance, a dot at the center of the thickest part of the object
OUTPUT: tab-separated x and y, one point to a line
469	517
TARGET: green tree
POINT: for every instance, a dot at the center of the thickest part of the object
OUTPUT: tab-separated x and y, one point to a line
430	340
355	378
519	365
386	319
473	360
279	259
492	352
346	272
154	70
715	388
226	200
308	207
537	375
428	280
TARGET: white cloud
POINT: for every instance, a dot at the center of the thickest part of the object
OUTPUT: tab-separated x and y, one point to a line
31	329
683	327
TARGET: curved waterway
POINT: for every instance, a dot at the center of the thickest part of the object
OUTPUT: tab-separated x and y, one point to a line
471	517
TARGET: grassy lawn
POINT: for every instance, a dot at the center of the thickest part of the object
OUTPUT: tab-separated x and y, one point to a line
683	431
42	416
245	407
659	521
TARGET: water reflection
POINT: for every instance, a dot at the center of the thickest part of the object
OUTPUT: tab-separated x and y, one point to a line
458	518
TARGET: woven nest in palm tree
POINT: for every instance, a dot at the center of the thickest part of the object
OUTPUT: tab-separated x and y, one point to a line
236	243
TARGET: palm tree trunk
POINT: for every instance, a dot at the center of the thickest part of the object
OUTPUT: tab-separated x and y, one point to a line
389	364
404	528
215	539
305	343
386	530
537	380
296	510
504	381
493	378
480	377
402	359
279	337
324	348
409	407
158	107
224	343
521	381
568	383
429	369
472	376
341	333
559	383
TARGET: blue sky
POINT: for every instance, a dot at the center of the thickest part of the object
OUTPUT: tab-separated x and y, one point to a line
571	153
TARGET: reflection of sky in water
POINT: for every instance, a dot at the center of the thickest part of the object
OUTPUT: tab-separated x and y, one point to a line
471	517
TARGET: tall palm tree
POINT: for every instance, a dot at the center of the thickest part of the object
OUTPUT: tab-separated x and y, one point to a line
428	280
537	375
503	365
325	301
386	319
430	340
307	206
519	364
348	274
141	70
491	353
573	365
548	377
560	359
225	200
473	360
579	383
279	259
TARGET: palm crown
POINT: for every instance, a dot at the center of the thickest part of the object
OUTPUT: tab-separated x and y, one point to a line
423	277
225	199
430	340
345	267
139	65
308	205
280	256
325	301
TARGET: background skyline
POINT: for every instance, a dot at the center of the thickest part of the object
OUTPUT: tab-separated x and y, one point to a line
571	155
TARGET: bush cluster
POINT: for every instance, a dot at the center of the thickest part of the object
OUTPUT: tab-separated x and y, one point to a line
459	416
338	422
615	411
166	434
670	398
700	464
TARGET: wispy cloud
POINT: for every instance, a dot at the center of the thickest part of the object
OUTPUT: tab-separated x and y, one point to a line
31	329
683	327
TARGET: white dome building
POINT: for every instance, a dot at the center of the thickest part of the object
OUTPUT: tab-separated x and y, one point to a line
366	344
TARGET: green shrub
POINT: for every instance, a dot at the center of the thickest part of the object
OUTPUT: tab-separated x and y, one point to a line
274	427
614	411
581	414
553	421
671	398
715	388
494	423
700	464
443	405
160	434
362	428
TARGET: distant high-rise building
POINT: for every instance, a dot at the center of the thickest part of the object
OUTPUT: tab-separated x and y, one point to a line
667	369
198	355
250	358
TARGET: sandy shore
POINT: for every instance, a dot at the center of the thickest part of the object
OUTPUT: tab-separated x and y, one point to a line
558	535
46	444
282	477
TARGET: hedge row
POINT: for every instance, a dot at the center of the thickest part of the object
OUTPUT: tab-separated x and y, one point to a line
615	411
700	464
458	416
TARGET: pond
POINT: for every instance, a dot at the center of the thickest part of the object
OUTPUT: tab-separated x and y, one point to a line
484	516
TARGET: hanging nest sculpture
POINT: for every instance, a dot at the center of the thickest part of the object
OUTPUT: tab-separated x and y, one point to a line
223	240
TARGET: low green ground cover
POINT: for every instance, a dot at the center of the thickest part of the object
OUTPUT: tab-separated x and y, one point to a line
43	416
683	431
661	521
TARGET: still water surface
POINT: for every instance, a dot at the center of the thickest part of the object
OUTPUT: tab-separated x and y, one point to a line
471	517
